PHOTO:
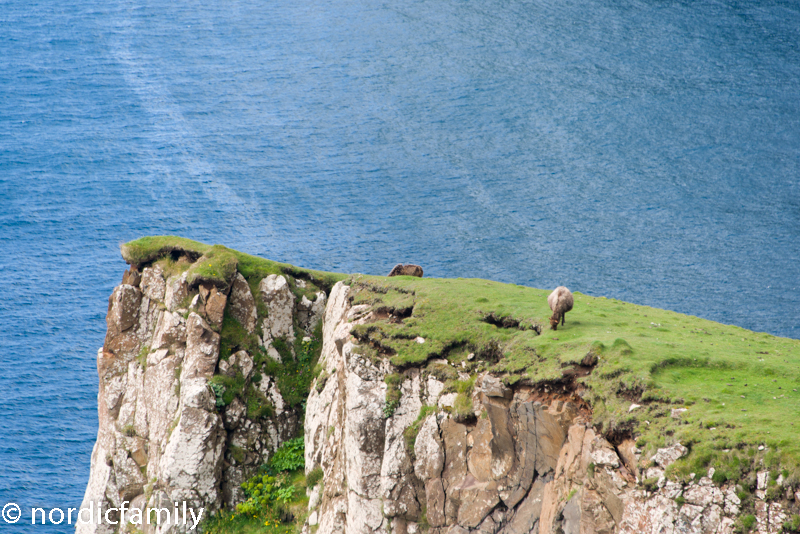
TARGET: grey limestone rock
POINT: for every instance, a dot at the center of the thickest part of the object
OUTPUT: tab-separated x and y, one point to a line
153	284
242	304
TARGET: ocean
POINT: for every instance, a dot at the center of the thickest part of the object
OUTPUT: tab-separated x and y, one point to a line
642	150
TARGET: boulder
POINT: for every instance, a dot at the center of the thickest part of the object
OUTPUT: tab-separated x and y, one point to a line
669	455
406	270
491	386
310	312
202	349
123	309
131	277
215	307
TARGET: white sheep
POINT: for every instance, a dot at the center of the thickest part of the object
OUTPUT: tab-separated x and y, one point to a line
560	301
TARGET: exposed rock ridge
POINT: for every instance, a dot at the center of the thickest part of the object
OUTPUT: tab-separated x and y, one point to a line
163	435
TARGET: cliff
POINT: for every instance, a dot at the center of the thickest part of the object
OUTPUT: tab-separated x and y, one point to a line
431	405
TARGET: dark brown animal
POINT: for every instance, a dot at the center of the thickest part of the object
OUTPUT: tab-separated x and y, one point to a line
560	301
406	270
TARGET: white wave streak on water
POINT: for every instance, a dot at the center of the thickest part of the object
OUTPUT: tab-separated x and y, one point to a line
173	130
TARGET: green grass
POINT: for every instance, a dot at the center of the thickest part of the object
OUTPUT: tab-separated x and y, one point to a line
294	374
142	356
217	265
170	267
234	337
258	405
314	477
149	249
226	388
462	406
657	358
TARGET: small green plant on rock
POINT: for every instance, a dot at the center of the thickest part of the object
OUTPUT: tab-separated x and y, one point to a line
142	356
226	388
234	337
290	456
650	484
219	391
719	477
745	523
393	393
237	453
793	525
258	405
462	406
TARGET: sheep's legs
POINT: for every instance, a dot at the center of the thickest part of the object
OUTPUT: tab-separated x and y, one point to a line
563	316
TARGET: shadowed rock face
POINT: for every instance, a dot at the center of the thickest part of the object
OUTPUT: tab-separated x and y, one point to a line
406	270
162	438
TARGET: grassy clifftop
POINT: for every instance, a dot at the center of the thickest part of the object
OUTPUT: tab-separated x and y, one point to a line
740	389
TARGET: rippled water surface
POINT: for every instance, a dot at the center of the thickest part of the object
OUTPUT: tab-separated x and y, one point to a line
643	150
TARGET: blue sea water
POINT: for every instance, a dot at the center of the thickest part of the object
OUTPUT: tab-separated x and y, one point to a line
638	149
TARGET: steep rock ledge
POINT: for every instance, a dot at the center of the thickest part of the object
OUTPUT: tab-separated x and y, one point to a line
178	420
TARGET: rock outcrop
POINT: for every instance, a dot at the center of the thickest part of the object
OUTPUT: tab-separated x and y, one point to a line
409	269
165	434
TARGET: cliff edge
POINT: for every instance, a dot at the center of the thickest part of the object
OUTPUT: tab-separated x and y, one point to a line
430	405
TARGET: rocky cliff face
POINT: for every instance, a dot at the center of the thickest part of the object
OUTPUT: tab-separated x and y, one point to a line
190	404
524	460
167	431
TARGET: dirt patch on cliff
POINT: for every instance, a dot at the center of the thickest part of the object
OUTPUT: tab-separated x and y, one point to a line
548	392
632	393
582	368
506	321
392	315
